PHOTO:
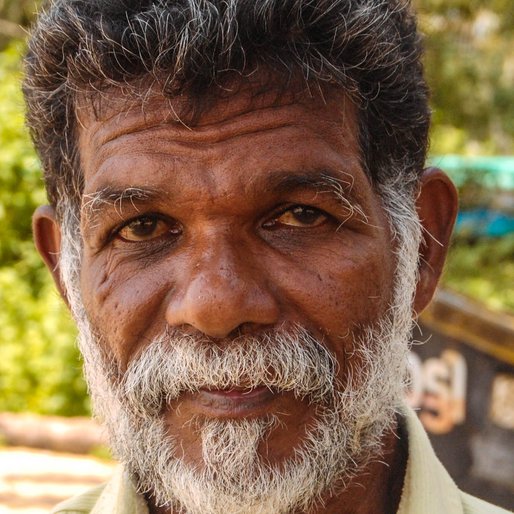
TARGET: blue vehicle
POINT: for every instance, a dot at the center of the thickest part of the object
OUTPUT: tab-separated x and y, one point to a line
491	212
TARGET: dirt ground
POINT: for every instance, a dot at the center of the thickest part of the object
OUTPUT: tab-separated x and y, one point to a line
32	481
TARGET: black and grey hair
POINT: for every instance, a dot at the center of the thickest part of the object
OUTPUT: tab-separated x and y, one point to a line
369	48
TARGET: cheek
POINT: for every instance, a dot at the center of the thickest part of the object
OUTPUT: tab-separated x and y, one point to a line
123	302
337	293
340	298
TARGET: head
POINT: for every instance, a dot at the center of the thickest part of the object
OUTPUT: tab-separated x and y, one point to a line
237	207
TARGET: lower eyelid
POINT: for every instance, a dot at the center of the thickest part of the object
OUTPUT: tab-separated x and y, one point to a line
158	232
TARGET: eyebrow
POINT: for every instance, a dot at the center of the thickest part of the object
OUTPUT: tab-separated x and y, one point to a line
339	185
110	197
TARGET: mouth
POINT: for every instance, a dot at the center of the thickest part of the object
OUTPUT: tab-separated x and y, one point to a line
235	402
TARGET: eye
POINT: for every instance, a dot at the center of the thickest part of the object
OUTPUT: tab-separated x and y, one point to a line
300	216
146	228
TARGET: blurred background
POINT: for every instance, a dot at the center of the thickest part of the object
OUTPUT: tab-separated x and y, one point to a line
463	374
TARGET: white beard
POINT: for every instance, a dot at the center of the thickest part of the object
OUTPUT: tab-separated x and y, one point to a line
351	418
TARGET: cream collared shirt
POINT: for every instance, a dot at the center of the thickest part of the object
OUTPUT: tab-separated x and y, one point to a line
428	489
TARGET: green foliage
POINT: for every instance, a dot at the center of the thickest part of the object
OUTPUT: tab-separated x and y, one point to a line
18	11
15	14
40	370
470	68
39	363
483	270
21	188
482	267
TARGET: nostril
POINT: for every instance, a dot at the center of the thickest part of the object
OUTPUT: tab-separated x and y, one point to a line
246	329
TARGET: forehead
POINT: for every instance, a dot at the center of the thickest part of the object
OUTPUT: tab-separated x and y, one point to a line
234	99
120	133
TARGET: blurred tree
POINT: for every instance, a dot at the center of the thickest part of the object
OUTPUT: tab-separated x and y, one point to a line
470	68
18	11
39	364
14	15
21	185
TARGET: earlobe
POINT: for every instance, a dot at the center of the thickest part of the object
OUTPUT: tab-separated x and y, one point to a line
47	238
437	206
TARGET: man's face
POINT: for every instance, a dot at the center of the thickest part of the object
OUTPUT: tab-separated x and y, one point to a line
256	222
233	227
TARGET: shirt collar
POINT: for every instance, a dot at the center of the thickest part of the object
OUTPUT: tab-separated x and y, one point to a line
427	487
120	497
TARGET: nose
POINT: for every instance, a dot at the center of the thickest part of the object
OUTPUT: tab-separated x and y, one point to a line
224	292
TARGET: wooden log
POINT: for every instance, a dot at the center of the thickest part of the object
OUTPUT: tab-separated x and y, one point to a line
74	435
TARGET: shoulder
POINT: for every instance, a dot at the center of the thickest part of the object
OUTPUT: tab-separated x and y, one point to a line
117	495
80	504
474	505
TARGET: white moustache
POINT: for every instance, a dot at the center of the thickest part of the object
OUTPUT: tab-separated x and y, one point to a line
175	363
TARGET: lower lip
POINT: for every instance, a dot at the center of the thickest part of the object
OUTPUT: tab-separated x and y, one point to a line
234	402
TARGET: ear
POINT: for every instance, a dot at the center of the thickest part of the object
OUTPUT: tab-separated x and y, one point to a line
47	238
437	206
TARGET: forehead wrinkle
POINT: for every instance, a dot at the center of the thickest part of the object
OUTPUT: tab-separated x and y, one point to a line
117	104
218	132
237	114
158	142
159	134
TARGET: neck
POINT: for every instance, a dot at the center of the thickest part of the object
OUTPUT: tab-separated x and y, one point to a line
378	487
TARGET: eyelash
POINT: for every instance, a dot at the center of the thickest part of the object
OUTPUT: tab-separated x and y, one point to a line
268	221
284	209
152	216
